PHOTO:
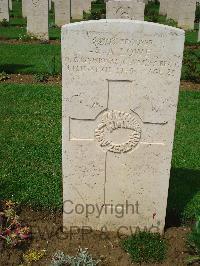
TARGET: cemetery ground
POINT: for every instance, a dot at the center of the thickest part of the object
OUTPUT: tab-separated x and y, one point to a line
30	107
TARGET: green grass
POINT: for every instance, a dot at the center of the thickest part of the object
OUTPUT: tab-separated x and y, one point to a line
184	192
31	149
15	32
29	58
191	65
31	144
145	247
191	37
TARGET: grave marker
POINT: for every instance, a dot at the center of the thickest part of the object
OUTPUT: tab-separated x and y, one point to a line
120	92
125	9
4	10
62	12
37	19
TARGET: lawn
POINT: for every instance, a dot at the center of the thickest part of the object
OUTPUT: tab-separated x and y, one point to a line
31	144
30	58
31	149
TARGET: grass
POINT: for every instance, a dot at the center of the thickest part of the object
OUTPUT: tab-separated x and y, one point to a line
31	144
31	149
184	192
29	58
191	65
145	247
15	32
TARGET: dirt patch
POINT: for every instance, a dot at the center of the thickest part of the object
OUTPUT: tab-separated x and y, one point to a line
48	235
30	79
189	86
31	41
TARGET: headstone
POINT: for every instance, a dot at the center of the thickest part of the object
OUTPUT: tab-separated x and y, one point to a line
49	4
186	14
4	10
10	4
78	6
163	7
24	8
125	9
172	9
62	12
120	92
37	19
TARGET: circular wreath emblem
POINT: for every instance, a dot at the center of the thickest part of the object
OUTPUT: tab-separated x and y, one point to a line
114	120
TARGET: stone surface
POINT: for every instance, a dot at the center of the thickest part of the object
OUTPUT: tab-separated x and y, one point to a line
186	14
49	4
120	92
4	10
163	7
78	6
24	8
37	19
62	12
172	9
10	4
182	11
125	9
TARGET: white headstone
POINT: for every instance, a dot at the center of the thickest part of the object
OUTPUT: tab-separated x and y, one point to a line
163	7
37	19
125	9
172	9
186	14
120	92
78	6
10	4
24	8
4	10
62	12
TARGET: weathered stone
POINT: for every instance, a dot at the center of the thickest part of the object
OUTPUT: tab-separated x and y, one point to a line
172	9
37	19
125	9
186	14
24	8
120	92
10	4
78	6
62	12
163	7
4	10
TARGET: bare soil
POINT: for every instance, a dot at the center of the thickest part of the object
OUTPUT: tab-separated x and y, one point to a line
30	79
31	41
48	235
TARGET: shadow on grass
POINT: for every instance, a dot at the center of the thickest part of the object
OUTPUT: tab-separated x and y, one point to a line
14	68
184	186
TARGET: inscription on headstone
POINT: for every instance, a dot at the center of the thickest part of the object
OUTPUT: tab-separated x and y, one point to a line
125	9
120	92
